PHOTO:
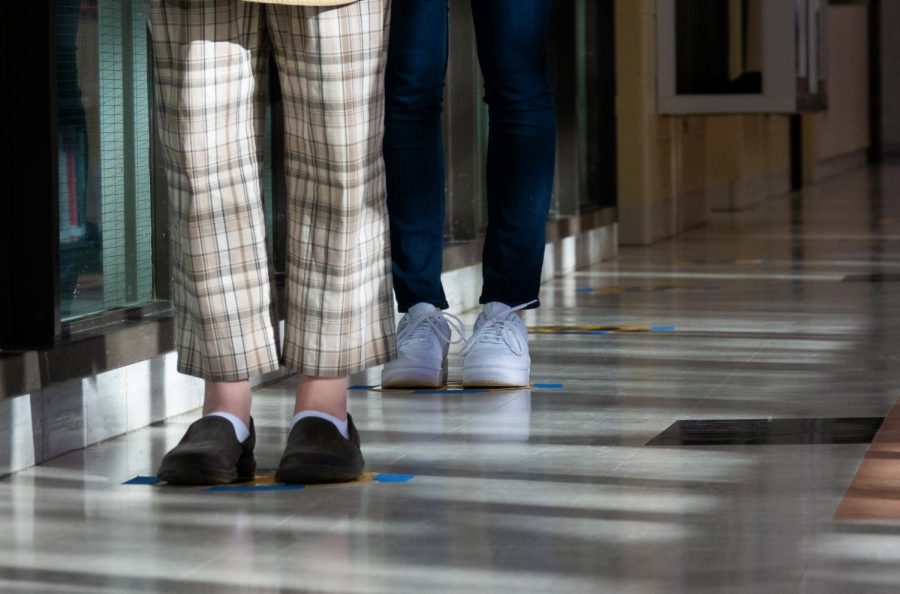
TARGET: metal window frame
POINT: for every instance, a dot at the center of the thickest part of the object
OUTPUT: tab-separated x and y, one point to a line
465	206
779	89
601	159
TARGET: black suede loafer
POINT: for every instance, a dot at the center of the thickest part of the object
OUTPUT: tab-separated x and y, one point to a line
316	452
210	454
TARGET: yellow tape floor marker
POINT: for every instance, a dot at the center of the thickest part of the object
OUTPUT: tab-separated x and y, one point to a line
264	480
743	262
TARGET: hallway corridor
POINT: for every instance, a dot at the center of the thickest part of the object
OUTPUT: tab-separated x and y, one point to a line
779	326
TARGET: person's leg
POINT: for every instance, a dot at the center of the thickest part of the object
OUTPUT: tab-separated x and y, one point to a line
414	159
512	51
413	149
210	153
339	317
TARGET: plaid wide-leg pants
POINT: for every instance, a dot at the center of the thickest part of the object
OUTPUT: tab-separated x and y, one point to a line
210	61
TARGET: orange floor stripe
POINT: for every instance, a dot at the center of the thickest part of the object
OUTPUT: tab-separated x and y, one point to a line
874	493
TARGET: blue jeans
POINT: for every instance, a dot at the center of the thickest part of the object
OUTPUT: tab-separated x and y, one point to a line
512	51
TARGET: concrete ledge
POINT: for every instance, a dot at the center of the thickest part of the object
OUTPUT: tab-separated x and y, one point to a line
664	218
737	195
77	413
86	355
837	165
692	210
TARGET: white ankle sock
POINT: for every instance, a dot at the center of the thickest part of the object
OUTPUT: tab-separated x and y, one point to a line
241	431
342	426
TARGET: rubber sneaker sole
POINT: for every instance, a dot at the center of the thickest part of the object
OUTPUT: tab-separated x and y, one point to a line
491	377
414	377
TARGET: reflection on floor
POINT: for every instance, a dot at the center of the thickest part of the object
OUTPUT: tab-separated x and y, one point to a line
556	490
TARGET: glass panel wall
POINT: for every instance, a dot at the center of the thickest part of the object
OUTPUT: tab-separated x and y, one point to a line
105	144
582	65
105	223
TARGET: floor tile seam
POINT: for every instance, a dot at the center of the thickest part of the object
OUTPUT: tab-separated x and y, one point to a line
464	424
309	507
400	457
712	391
738	367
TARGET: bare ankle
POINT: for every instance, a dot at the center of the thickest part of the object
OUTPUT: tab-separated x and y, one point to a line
323	394
230	397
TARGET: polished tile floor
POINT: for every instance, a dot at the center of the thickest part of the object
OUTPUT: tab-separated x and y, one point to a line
554	489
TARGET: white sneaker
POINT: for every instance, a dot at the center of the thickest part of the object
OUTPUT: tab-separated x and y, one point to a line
497	353
423	340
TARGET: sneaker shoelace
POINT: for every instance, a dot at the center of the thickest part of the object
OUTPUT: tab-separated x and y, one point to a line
421	330
499	329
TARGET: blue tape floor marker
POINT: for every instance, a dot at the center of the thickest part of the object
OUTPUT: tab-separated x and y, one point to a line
142	480
598	330
393	478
